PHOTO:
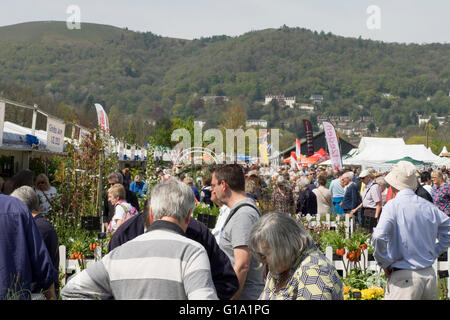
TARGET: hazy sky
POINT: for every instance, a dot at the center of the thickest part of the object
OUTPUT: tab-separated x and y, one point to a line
418	21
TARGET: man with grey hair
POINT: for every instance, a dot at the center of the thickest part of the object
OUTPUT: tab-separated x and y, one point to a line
159	264
27	259
30	198
297	269
371	202
352	198
307	200
130	197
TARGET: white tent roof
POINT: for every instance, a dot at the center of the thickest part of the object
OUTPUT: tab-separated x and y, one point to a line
371	141
15	133
444	150
375	152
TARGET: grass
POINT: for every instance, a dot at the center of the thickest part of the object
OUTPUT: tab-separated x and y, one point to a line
57	31
443	289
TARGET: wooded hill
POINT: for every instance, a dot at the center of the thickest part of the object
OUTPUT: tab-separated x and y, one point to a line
142	76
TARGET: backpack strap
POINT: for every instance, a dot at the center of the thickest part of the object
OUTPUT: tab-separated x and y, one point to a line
123	207
234	210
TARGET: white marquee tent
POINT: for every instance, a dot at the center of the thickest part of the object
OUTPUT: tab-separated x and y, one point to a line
375	152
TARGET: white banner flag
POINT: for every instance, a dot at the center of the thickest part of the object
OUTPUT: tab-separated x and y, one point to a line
102	118
2	121
333	145
55	135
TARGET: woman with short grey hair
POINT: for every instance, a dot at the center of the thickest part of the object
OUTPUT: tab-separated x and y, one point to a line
383	186
297	270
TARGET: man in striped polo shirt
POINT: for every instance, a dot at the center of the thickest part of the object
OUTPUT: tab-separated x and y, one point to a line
159	264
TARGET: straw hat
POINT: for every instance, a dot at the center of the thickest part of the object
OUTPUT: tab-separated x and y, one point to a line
402	176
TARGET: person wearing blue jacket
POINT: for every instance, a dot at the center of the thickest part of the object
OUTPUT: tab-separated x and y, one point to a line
138	187
26	259
352	198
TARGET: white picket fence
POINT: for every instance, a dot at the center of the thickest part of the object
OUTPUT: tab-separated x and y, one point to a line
348	222
372	265
364	262
67	266
70	265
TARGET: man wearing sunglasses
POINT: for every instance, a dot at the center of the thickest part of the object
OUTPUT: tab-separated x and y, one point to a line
228	185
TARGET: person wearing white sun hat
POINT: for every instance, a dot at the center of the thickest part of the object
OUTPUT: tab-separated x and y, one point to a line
405	238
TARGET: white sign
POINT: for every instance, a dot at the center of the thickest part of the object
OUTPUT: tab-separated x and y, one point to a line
55	135
333	145
2	120
102	118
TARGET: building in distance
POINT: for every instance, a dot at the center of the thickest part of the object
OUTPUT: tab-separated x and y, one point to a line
281	99
316	98
307	107
256	123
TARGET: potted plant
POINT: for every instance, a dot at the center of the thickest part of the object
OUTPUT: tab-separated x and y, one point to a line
204	213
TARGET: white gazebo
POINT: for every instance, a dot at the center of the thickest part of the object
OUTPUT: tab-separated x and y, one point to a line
375	152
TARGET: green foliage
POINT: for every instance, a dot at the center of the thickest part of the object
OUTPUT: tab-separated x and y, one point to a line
77	179
140	77
333	239
205	209
362	280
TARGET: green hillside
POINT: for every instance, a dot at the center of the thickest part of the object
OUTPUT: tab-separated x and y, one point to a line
152	77
57	32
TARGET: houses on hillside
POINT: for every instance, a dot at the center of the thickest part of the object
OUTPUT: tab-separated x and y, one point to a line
422	119
281	99
316	98
256	123
290	102
353	129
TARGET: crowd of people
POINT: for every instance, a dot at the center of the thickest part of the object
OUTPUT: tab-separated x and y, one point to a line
161	252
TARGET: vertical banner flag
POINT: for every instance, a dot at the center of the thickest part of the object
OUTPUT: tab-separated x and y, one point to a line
102	118
309	136
293	160
297	148
264	154
333	145
55	135
2	121
263	146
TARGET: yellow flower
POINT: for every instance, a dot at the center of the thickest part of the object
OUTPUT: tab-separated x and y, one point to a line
347	289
